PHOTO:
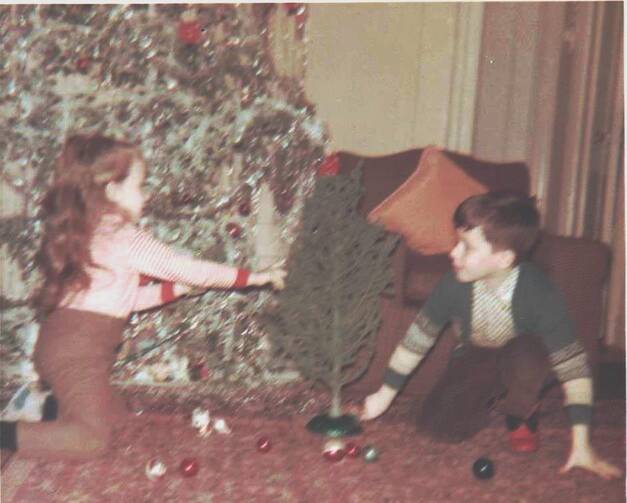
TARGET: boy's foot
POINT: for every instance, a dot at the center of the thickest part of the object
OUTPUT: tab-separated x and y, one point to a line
522	439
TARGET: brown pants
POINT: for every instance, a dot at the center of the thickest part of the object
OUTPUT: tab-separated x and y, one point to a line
478	379
74	355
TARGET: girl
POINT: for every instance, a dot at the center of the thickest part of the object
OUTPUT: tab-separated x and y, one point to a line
91	256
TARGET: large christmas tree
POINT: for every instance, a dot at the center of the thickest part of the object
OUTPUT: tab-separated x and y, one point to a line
231	148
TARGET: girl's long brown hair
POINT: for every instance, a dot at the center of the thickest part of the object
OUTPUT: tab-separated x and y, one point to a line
73	207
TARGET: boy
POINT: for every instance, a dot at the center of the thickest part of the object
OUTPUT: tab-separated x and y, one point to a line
512	323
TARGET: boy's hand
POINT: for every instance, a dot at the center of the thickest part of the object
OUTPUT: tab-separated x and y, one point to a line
274	277
586	458
377	403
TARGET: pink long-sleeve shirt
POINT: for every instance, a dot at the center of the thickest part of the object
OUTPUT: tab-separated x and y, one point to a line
123	253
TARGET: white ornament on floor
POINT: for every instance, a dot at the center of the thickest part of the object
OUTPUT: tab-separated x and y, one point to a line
201	420
155	469
221	427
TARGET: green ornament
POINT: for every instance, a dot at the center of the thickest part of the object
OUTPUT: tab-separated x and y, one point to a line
371	454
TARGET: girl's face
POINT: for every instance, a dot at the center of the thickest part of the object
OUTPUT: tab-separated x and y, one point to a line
128	193
473	257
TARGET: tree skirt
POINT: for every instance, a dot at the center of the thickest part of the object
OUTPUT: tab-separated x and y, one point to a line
411	468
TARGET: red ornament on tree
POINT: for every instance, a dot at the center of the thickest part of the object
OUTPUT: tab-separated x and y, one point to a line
244	208
83	63
299	12
330	166
301	20
291	7
189	30
198	371
189	467
264	444
234	230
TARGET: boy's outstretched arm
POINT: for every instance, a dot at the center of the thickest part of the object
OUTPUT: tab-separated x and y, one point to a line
402	363
578	397
570	364
419	339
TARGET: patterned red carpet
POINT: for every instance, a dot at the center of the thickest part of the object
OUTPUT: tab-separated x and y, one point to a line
411	468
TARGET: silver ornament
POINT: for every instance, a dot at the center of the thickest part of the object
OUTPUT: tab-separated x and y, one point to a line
370	454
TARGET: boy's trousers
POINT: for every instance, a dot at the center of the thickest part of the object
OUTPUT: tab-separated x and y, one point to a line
478	380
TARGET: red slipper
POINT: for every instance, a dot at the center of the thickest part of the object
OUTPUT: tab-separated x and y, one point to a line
522	439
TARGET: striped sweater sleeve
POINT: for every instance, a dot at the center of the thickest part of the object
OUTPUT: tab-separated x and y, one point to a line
546	308
151	257
555	326
432	317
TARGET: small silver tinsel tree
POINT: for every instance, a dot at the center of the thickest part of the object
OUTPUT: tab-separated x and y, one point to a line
327	317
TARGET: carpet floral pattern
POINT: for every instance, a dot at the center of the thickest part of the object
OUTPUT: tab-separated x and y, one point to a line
411	468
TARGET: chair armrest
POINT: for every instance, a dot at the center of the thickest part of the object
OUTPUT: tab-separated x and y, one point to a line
580	268
421	274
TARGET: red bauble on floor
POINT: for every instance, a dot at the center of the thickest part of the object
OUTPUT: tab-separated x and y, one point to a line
353	450
189	467
264	444
334	450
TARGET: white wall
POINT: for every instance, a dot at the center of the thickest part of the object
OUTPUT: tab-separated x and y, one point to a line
388	77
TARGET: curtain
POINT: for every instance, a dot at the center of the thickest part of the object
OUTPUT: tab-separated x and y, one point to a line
550	93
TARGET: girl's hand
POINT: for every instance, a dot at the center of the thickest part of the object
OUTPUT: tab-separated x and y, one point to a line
586	458
181	289
274	277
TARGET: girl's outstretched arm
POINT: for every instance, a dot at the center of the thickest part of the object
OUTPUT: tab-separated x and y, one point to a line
153	258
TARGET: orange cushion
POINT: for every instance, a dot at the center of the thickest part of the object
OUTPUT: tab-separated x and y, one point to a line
421	209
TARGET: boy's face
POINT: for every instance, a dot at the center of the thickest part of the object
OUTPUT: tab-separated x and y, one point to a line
473	257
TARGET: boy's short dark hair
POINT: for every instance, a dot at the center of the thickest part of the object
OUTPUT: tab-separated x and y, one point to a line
509	220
